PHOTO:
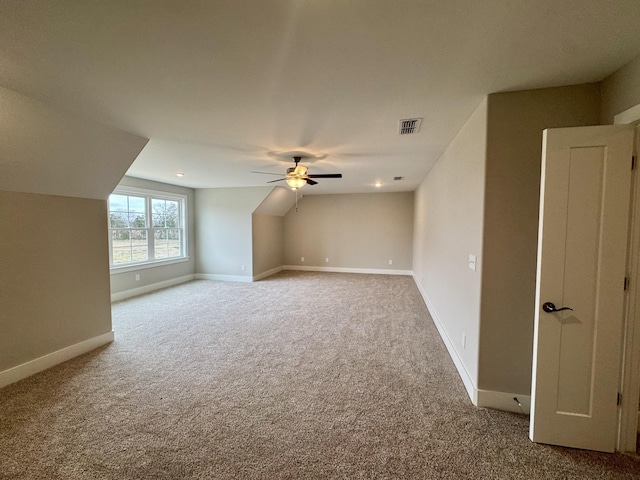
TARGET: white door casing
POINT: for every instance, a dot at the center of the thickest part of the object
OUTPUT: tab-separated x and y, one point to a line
582	254
630	383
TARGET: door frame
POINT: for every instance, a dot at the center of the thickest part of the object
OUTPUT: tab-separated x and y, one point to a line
630	362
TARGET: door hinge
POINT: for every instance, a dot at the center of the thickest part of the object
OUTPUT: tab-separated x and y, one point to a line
619	398
626	283
633	162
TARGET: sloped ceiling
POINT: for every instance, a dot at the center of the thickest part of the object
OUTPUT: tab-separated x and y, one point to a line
220	87
47	151
278	203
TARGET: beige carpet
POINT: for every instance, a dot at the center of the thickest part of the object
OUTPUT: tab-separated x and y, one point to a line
302	375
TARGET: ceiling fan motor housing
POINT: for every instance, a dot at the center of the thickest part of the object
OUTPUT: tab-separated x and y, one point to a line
297	177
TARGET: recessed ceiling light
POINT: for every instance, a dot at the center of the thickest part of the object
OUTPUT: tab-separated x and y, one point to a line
179	174
377	184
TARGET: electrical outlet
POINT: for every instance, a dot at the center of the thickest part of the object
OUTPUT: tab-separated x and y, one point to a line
326	260
243	268
137	277
472	262
390	262
302	259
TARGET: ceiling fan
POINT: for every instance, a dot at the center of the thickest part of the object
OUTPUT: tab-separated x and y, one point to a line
297	177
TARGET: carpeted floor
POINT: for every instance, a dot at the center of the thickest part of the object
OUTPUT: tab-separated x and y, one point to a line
300	376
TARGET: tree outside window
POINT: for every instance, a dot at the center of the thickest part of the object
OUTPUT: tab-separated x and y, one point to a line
145	228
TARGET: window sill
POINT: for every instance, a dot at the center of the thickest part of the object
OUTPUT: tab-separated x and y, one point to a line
146	265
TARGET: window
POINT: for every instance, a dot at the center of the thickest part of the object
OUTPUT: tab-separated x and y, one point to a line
146	227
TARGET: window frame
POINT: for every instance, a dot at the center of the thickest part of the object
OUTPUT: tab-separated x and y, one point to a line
150	195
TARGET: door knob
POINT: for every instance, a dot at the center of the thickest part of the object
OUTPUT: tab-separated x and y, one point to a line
550	308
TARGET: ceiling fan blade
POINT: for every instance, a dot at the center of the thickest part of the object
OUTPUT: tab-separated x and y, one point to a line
326	175
269	173
311	182
278	180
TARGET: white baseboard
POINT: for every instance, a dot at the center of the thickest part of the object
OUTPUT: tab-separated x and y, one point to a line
223	278
375	271
134	292
469	385
273	271
32	367
504	401
268	273
480	398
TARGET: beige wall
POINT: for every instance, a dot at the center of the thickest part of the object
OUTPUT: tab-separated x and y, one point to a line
352	230
223	229
620	91
268	243
54	274
54	259
512	193
448	228
123	281
481	198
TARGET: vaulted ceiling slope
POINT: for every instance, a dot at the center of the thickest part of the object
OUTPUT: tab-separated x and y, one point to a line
222	87
48	151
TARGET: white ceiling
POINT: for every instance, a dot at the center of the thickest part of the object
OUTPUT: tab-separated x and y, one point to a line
219	86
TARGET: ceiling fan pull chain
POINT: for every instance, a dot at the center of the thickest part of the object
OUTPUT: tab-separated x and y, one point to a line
296	200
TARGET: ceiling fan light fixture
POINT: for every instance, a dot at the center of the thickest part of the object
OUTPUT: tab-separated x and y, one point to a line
296	177
300	170
296	182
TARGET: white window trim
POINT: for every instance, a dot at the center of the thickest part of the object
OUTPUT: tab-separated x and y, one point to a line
161	195
145	265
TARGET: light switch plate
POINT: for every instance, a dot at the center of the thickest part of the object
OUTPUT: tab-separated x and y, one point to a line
472	262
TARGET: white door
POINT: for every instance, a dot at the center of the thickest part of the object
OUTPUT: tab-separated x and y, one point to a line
582	252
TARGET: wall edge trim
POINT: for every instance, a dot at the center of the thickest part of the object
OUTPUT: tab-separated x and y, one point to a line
376	271
24	370
469	385
223	278
629	115
268	273
273	271
504	401
134	292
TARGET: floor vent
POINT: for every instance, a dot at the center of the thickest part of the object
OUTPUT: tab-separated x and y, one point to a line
409	126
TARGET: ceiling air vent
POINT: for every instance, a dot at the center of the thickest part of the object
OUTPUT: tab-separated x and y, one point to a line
397	178
409	126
